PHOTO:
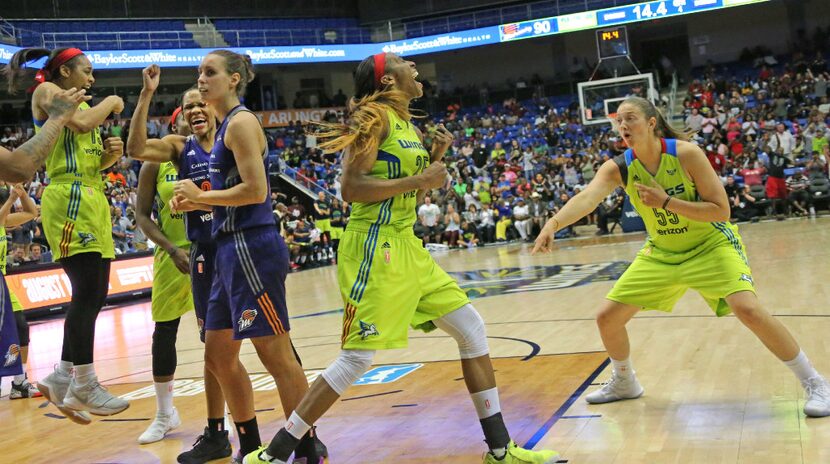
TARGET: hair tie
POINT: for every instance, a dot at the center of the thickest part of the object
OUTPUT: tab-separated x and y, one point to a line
46	72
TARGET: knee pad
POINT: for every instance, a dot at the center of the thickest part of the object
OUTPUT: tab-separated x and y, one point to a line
466	326
164	348
22	328
347	368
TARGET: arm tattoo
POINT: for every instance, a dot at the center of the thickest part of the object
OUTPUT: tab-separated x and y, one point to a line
37	149
59	107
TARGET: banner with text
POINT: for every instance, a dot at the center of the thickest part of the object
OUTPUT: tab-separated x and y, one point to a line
48	288
279	118
191	57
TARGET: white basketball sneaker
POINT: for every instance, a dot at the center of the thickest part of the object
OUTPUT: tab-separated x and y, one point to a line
162	424
93	397
818	397
54	387
616	389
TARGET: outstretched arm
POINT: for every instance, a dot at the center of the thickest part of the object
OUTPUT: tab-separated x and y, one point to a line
607	179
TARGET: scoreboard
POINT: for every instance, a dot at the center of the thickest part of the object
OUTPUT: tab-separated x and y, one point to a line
455	40
613	16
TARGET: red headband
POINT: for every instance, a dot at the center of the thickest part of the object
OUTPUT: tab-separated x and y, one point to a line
380	67
175	115
53	64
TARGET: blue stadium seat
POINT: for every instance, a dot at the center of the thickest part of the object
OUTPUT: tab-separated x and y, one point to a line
543	10
230	38
487	18
101	45
461	22
514	14
571	6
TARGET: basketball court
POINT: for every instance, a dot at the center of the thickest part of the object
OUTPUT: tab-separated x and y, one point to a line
713	393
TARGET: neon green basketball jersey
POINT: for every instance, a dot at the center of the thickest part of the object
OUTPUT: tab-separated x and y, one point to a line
75	157
170	223
400	155
669	231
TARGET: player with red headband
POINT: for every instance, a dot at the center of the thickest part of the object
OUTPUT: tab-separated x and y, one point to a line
387	279
20	165
76	220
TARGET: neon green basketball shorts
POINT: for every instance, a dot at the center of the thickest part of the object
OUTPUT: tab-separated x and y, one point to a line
657	279
390	282
324	225
172	296
76	219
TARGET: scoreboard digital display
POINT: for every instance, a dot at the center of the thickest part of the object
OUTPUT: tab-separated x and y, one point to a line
295	54
612	42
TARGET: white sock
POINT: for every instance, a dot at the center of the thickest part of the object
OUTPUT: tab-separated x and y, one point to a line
18	379
486	402
499	453
65	368
84	373
296	426
267	458
228	424
623	368
802	368
164	397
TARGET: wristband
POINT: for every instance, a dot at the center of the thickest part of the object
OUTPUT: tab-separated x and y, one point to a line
665	203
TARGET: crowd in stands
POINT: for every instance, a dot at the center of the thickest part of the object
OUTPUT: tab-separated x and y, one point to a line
765	133
763	127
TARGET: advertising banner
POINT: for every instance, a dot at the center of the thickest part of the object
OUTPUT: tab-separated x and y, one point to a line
45	288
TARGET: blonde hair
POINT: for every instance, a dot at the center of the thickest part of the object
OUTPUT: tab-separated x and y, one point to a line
364	126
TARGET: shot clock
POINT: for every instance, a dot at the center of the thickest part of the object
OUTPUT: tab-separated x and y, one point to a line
612	42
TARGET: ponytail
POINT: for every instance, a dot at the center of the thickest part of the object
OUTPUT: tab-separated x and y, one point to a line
663	128
17	71
361	133
368	109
